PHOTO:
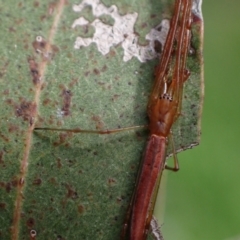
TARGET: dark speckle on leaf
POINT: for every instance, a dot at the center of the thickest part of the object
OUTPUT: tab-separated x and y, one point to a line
96	71
30	222
37	181
33	66
26	110
66	100
2	205
81	209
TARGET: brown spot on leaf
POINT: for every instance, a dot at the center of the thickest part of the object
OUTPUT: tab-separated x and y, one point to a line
19	21
192	106
104	68
39	44
59	164
98	122
59	237
3	69
37	181
66	99
63	137
90	196
14	182
139	136
30	222
115	97
96	71
119	200
36	4
8	187
1	157
26	110
6	91
43	48
51	7
2	205
6	139
101	83
46	101
133	167
55	49
86	73
73	82
11	29
33	66
144	25
71	193
53	181
111	182
13	128
81	209
43	17
111	54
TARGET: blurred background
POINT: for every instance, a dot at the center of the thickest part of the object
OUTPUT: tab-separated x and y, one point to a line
203	198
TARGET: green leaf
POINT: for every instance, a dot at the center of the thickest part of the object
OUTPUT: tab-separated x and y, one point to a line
76	186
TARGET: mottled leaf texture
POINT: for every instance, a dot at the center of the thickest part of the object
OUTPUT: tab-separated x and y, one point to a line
58	185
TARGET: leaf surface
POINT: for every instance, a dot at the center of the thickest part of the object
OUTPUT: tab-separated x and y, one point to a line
76	186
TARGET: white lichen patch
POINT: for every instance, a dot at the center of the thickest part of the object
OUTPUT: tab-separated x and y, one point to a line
197	8
121	32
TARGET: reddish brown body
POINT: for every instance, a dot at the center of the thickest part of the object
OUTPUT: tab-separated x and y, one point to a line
153	165
164	107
